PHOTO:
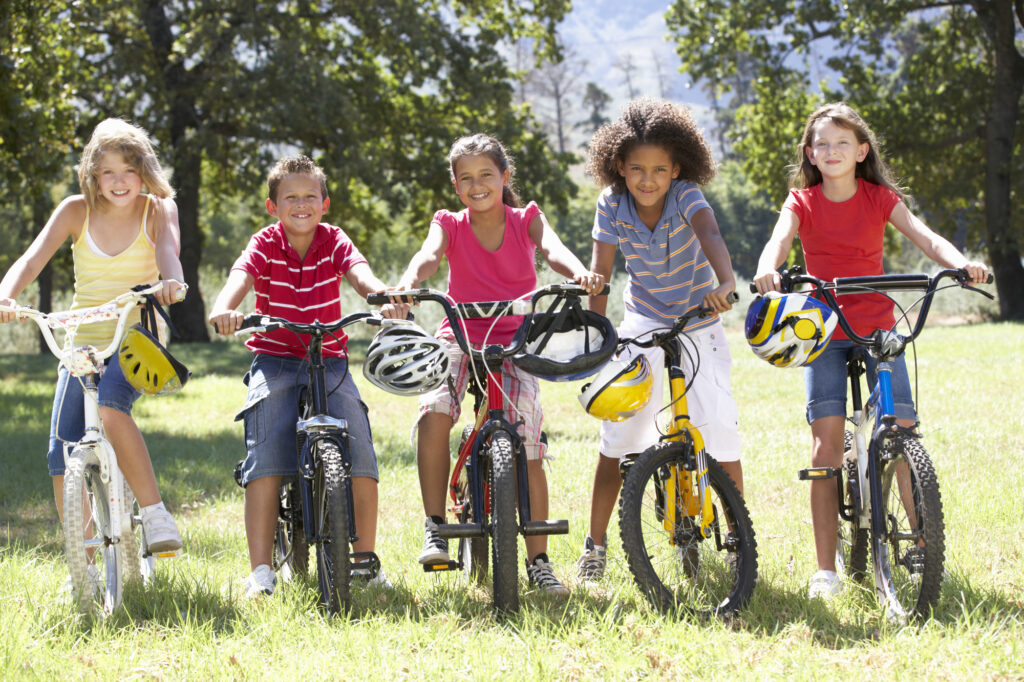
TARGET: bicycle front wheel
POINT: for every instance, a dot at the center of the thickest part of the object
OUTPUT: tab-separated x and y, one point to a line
330	495
504	528
909	556
94	560
674	565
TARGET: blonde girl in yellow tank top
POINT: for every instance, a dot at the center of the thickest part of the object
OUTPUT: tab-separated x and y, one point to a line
120	237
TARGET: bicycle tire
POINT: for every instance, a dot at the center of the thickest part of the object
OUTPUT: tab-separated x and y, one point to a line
291	548
84	490
722	578
504	528
331	494
914	571
133	543
473	552
852	545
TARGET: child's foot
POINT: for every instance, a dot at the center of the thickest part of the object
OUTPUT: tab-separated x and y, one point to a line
590	567
435	547
541	573
260	582
371	577
161	531
825	585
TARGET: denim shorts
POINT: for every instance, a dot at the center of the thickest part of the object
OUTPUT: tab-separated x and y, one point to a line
67	420
826	381
271	412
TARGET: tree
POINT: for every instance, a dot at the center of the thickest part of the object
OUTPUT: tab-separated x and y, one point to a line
556	82
941	82
595	100
376	92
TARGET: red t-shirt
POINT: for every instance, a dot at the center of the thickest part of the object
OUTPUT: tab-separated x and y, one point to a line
844	239
476	274
298	289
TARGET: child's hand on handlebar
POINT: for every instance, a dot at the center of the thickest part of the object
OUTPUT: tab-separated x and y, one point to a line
226	322
978	272
767	281
719	299
7	316
592	281
398	308
172	291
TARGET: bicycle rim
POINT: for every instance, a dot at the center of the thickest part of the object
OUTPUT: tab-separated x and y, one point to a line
330	493
909	557
87	531
133	542
504	528
675	567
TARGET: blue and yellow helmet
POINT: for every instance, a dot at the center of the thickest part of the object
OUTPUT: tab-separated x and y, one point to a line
788	330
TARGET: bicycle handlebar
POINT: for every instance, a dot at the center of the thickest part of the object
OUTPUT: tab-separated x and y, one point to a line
657	338
482	309
857	285
259	323
117	308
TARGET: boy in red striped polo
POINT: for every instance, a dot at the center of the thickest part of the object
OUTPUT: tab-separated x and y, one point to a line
295	268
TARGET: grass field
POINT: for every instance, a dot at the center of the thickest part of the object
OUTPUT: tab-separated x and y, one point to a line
192	624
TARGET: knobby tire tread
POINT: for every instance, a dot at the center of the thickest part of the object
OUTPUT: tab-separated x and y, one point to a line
331	492
505	529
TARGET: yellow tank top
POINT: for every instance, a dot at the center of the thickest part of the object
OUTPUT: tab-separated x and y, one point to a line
99	277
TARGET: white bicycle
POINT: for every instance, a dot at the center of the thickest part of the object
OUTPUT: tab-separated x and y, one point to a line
103	535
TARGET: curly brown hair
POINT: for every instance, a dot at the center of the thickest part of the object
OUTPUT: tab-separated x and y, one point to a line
650	121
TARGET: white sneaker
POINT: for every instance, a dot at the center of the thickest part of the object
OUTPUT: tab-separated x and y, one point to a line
261	581
591	564
542	574
825	585
380	581
435	547
161	531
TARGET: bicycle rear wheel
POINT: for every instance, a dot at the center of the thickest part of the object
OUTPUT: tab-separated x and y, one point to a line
291	549
504	528
673	564
133	543
909	557
87	530
852	546
330	495
472	551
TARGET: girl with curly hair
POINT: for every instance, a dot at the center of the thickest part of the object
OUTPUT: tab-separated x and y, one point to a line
652	161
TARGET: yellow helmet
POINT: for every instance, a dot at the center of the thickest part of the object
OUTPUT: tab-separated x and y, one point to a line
147	365
620	390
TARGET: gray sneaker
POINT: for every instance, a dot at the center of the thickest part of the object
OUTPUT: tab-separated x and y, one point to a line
590	566
541	573
435	547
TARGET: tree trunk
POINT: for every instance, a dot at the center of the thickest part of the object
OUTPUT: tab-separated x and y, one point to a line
1004	247
41	206
189	316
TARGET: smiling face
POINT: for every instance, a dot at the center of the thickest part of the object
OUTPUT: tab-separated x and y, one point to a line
299	205
648	172
835	151
117	181
479	182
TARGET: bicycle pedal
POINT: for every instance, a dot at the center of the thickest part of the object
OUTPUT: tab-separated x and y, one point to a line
819	473
441	566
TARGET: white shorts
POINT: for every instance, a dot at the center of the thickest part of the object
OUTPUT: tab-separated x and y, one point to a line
711	405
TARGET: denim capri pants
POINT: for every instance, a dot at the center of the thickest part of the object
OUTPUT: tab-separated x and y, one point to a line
826	382
271	412
67	420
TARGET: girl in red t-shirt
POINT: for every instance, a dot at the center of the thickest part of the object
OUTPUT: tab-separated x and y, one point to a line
844	195
490	248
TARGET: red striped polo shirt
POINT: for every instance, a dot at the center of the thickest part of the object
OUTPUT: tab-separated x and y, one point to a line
297	289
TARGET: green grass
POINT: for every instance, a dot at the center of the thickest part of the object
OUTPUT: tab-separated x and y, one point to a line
191	623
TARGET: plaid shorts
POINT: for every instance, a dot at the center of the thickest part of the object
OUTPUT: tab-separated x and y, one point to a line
522	397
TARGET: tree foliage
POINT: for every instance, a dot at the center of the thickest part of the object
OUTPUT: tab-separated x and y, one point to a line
941	83
375	91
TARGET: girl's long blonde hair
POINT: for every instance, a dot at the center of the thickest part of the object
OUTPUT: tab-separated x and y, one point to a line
873	168
131	142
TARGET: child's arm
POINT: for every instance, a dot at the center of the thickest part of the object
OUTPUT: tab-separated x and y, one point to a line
775	252
934	246
167	244
711	243
64	223
362	279
560	258
601	262
427	260
224	318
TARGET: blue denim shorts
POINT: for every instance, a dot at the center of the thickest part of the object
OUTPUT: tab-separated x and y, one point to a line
826	382
67	420
271	412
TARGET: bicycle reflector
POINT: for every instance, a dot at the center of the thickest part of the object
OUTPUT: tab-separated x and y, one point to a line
620	390
147	365
788	330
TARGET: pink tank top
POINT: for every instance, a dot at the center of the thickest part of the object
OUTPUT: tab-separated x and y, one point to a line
476	274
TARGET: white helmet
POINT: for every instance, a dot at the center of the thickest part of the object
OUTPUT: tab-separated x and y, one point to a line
404	359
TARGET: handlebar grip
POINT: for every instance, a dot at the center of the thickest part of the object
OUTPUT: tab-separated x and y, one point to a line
753	288
733	297
377	299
